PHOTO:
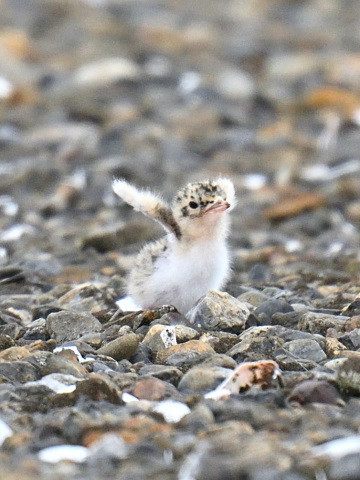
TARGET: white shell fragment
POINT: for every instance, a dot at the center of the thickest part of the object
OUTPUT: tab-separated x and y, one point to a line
171	411
127	304
5	431
60	453
106	71
244	376
168	336
128	398
338	448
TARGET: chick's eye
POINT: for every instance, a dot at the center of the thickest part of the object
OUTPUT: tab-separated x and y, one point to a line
193	205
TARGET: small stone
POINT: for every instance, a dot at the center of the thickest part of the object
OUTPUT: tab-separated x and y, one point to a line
202	379
163	372
18	372
121	347
294	205
348	376
152	389
253	296
221	342
14	353
219	311
320	322
333	348
306	349
66	326
5	342
160	337
191	349
65	363
184	333
267	309
171	411
105	71
314	391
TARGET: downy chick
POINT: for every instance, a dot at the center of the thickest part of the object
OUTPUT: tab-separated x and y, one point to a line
193	257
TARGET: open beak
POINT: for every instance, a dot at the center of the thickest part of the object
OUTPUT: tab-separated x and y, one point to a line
217	207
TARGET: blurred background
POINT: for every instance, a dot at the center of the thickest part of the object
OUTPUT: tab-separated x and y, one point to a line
164	92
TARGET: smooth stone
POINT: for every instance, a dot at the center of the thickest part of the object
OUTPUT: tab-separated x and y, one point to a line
65	363
152	389
121	347
203	378
219	311
253	296
314	391
190	349
66	326
267	309
163	372
184	333
305	348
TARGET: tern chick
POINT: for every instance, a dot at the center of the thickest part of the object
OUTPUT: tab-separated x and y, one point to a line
193	257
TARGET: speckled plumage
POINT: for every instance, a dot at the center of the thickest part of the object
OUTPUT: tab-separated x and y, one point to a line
193	257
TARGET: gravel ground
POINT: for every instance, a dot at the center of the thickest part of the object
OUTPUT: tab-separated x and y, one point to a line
265	92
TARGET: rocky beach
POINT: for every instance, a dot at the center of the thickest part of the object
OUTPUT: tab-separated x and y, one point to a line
264	92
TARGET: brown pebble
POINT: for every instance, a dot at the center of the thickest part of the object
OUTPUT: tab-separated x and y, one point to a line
196	346
149	389
14	353
334	348
314	391
288	207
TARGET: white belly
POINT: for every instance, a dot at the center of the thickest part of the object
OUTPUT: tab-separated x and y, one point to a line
181	279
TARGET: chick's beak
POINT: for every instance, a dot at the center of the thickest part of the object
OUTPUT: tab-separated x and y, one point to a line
217	207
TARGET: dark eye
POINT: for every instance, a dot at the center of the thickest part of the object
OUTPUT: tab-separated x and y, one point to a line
193	205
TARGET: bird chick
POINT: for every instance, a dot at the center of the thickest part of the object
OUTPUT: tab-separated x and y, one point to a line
193	257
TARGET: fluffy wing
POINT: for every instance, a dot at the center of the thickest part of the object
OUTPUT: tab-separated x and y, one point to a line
228	187
147	203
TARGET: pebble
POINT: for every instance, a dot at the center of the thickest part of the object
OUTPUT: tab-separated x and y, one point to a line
305	348
121	347
348	373
152	389
172	411
268	308
177	355
204	378
66	326
5	431
314	391
60	453
160	337
319	322
219	311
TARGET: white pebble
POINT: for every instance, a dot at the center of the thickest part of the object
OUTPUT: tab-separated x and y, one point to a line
171	411
6	88
59	453
338	448
127	304
106	71
16	232
5	431
128	398
254	181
